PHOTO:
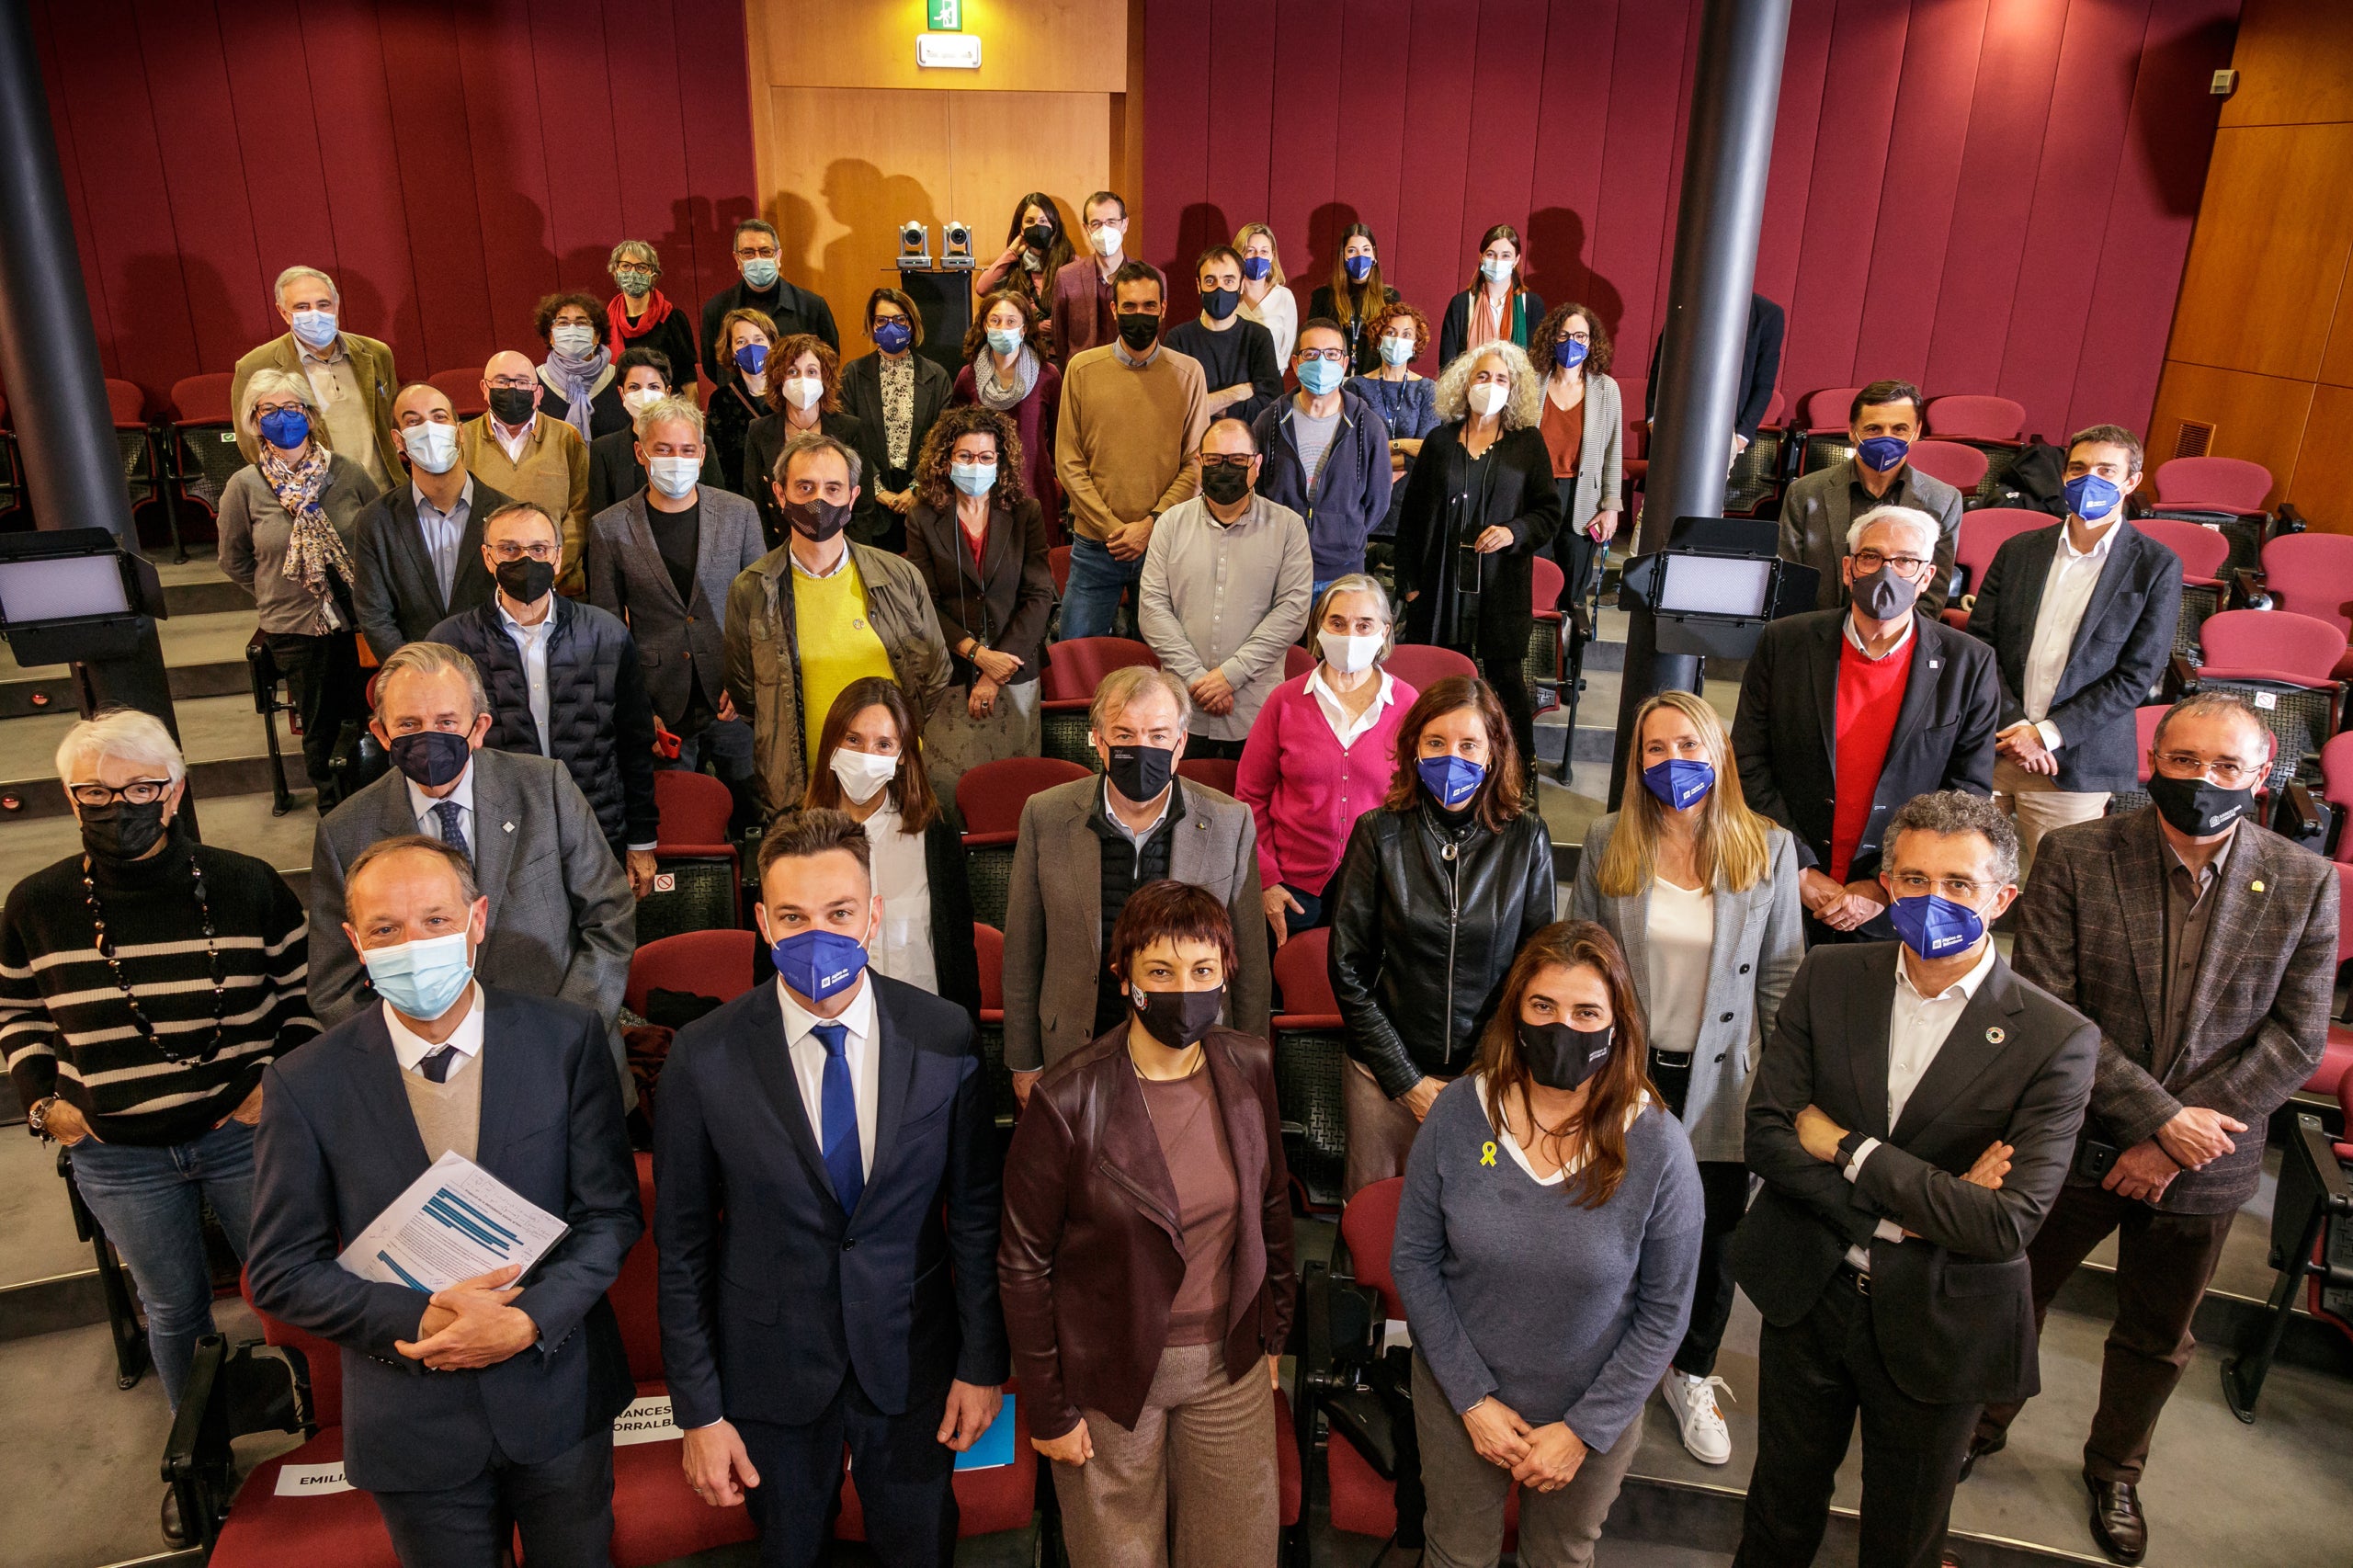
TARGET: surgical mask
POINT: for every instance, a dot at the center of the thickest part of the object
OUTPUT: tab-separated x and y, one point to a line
574	341
819	964
1218	303
1569	353
2195	807
316	328
285	428
1224	483
121	830
861	773
1004	339
802	392
430	757
1883	595
1254	267
1137	330
512	405
759	271
1349	655
1935	926
1038	236
1358	267
1494	269
817	520
2091	497
423	979
1105	239
674	477
1560	1057
1177	1019
1319	375
524	580
637	400
1679	782
752	359
433	447
892	336
636	284
1488	398
1450	779
1881	453
973	479
1141	773
1397	350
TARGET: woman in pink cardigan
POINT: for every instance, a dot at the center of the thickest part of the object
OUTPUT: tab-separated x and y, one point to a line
1321	753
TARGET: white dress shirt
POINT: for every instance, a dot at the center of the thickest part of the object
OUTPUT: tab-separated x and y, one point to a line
511	442
902	948
2066	594
421	805
532	640
1855	638
1137	835
859	1047
1346	730
1916	1029
410	1049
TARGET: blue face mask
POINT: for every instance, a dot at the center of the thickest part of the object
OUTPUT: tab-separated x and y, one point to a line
760	272
892	336
314	327
285	428
2091	497
973	479
1936	928
819	964
1679	781
1450	779
1256	267
1318	376
752	359
1881	453
1569	353
1004	339
421	980
1359	267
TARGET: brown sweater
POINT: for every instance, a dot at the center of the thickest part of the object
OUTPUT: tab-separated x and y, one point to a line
551	476
1128	441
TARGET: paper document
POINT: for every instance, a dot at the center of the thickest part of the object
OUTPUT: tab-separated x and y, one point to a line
455	1222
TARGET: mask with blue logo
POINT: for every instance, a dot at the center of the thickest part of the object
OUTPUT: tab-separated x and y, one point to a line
2092	498
1679	782
819	964
421	980
1882	453
1569	353
1451	780
1936	928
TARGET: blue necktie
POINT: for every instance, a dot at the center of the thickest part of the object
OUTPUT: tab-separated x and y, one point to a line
838	1136
449	813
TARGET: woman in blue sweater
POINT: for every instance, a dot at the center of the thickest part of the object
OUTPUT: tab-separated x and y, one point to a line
1546	1245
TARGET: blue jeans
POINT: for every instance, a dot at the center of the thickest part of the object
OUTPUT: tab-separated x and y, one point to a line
149	1200
1096	579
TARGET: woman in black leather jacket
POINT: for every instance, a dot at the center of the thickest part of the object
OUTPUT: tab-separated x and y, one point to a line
1439	886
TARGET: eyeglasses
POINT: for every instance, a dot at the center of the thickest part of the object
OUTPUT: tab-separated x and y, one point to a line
138	792
1329	356
510	383
758	253
507	550
1239	461
626	270
2228	772
1960	890
1583	337
1870	561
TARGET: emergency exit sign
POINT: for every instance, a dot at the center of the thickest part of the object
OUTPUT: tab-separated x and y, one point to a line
944	15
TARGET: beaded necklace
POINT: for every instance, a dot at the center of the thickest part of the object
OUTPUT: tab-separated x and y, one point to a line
131	999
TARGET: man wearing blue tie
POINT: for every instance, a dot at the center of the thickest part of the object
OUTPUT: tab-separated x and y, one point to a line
848	1294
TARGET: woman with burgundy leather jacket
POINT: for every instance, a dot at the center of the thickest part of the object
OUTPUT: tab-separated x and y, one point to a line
1145	1265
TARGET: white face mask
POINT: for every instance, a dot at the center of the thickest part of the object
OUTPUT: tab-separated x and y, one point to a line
574	341
674	477
1349	656
802	392
1488	398
862	773
433	447
1106	240
637	400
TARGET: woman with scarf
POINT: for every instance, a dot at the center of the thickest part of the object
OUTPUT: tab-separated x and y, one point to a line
582	389
640	316
286	523
1008	368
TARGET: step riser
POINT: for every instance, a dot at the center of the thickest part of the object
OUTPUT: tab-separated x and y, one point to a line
17	697
38	798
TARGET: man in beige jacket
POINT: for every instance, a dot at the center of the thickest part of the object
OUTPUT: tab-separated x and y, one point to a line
351	376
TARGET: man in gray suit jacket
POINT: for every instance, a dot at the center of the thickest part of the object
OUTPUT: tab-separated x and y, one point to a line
1087	844
562	923
1883	422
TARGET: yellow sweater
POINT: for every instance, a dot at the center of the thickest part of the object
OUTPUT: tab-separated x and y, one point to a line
836	643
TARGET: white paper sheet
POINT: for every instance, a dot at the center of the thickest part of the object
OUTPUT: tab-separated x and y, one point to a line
455	1222
647	1420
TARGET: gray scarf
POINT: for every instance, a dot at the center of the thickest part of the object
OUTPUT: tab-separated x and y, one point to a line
1002	398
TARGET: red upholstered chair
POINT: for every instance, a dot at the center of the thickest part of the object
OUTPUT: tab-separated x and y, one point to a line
2311	573
203	400
697	882
463	389
2337	1055
1420	665
989	801
1297	662
1215	772
2212	484
1058	563
1547	638
1970	416
1826	420
1756	474
2283	663
988	947
1310	1053
1961	467
1066	689
2337	789
204	436
1983	534
708	963
2203	552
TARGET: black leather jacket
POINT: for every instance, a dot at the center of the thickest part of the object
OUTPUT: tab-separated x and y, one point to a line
1426	920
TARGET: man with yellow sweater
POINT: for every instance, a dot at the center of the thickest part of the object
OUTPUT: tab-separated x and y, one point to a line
1127	448
817	613
542	462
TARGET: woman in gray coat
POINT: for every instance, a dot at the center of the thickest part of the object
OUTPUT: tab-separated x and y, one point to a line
1702	894
1584	431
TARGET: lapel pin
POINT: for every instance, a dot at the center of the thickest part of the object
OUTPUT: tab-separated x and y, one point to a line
2257	885
1994	1036
508	827
1487	1154
1934	664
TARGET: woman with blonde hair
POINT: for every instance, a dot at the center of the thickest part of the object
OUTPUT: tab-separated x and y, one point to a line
1701	894
1266	298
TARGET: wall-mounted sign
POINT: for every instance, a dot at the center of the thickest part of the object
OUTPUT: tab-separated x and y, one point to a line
948	52
944	15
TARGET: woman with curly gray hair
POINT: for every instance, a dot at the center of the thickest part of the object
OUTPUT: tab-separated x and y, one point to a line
1479	505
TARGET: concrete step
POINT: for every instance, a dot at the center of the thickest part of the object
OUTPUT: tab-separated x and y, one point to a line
242	820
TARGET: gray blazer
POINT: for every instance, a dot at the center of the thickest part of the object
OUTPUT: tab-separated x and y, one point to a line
1053	916
627	576
255	531
1817	511
562	921
1602	458
1757	946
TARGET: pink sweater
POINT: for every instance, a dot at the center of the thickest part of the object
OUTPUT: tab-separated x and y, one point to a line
1304	791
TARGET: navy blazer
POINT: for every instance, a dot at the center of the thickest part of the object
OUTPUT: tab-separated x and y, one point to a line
338	1143
770	1293
2118	652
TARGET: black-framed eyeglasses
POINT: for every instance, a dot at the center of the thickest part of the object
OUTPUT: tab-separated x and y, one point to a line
758	253
1870	561
539	549
510	383
1960	890
1330	356
1237	460
138	792
2227	772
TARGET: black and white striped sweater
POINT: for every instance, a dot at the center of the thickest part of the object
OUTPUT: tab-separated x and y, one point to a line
67	1030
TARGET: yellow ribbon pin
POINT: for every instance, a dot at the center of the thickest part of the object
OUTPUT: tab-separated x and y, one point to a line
1486	1154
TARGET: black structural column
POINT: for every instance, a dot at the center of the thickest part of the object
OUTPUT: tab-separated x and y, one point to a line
1727	157
48	359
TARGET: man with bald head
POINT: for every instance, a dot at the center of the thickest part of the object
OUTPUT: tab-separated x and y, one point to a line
543	461
419	544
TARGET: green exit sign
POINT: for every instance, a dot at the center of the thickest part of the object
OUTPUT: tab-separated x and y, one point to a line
944	15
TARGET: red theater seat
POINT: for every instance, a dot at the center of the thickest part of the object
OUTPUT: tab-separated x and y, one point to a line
463	389
1983	534
1422	666
1216	773
1967	416
989	798
203	400
707	963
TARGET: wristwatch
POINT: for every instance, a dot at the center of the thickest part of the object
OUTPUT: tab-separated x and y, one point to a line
37	1117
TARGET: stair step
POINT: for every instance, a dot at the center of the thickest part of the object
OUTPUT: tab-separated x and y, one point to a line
241	821
39	799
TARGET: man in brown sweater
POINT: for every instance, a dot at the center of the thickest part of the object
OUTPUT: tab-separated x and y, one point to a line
1125	449
543	461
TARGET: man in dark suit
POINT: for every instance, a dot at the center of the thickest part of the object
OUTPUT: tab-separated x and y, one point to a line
419	546
1760	367
1846	715
761	287
2205	949
616	472
488	1405
1883	421
1913	1119
2081	617
853	1298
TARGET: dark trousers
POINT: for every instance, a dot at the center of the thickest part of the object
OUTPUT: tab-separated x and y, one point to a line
323	675
1310	914
1811	1379
1724	1195
1210	750
903	1473
2163	1263
563	1508
1508	676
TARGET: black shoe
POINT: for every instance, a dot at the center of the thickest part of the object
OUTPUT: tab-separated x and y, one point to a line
2118	1527
174	1529
1978	1448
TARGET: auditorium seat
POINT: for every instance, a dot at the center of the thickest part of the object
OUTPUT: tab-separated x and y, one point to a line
1994	425
1310	1055
1983	534
2203	552
1961	467
988	951
2145	735
1216	773
2336	1052
2311	573
1756	476
2283	664
1297	662
708	963
1546	637
2230	486
989	801
1058	563
1066	690
205	430
1826	421
463	389
1421	666
2336	789
698	883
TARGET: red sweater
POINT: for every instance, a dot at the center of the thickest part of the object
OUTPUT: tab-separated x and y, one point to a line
1870	694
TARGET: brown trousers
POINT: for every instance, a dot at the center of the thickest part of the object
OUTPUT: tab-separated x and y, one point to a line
1193	1486
1465	1524
2163	1263
1381	1131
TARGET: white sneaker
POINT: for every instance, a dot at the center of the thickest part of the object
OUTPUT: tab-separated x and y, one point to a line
1693	1400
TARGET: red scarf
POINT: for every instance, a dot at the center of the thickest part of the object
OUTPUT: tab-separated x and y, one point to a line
657	311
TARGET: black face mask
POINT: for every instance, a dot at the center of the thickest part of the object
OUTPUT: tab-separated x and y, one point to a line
1224	483
1141	773
121	830
1560	1057
511	405
2195	807
1138	330
430	757
1883	595
1220	302
817	520
524	580
1177	1019
1038	236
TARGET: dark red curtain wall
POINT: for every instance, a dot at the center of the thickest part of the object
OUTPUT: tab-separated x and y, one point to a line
1982	196
449	161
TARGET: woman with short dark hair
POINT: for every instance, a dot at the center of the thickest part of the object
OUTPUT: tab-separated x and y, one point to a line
580	385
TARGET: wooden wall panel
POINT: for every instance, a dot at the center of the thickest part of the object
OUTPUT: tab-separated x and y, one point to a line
2323	486
2271	252
1065	46
2293	61
2260	419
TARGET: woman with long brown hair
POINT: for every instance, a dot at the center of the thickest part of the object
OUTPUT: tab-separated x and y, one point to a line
1036	247
1496	306
1701	894
1546	1242
1009	369
1583	426
1355	295
805	397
